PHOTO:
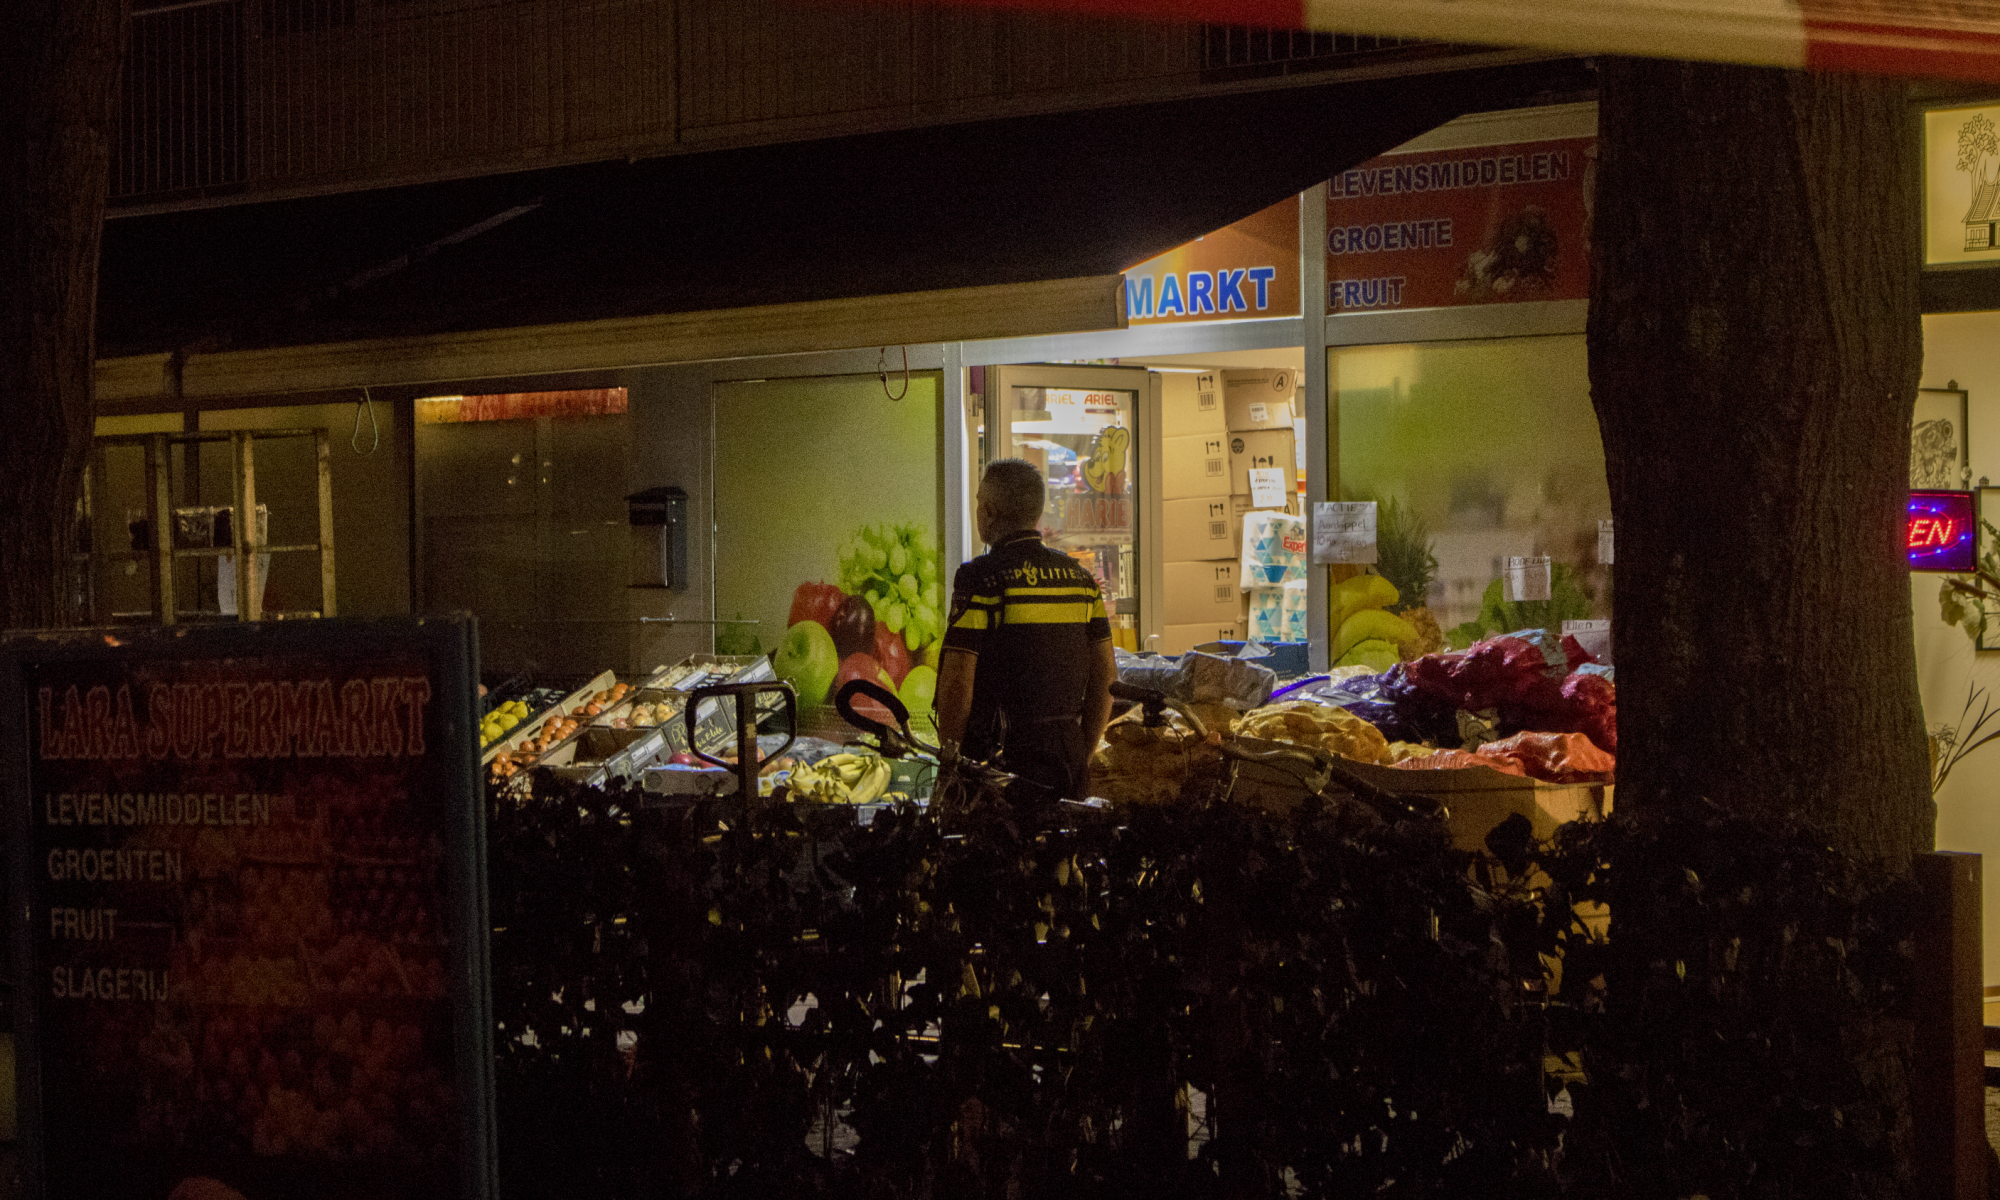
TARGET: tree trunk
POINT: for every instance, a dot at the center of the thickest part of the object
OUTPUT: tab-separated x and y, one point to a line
1755	345
59	65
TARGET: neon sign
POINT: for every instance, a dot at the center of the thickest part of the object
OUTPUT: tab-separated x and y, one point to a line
1941	532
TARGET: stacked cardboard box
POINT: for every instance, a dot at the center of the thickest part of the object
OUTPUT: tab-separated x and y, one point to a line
1258	408
1216	427
1255	401
1199	543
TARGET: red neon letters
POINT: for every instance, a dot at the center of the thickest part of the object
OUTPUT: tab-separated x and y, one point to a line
1928	531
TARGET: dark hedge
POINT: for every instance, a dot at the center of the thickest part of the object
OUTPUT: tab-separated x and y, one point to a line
1022	1011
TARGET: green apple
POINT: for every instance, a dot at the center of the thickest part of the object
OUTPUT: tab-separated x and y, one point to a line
933	650
918	694
807	660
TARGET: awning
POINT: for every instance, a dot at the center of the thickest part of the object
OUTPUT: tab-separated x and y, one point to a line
959	314
1954	39
481	271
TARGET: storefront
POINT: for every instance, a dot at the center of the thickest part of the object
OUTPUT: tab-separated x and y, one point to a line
1955	444
1440	372
1446	381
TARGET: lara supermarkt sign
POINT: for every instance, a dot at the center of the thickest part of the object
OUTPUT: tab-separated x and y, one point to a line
309	718
246	872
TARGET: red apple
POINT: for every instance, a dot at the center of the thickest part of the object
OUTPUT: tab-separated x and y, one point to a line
892	652
816	602
864	666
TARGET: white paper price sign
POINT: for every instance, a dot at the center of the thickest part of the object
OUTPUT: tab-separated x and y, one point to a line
1528	578
1344	532
1604	542
1267	487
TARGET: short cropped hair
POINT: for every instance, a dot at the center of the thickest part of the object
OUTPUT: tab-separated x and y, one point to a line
1013	490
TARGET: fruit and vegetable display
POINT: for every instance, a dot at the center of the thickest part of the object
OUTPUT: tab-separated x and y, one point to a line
1150	764
1527	682
1497	615
1318	726
844	778
883	621
545	731
645	715
554	730
509	763
1368	632
496	725
1526	704
1554	757
608	698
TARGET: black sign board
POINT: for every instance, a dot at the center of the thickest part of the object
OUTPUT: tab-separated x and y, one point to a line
248	911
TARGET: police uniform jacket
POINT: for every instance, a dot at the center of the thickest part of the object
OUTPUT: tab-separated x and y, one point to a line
1033	616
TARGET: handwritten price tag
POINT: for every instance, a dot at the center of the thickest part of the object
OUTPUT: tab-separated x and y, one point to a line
1267	487
1344	532
1528	578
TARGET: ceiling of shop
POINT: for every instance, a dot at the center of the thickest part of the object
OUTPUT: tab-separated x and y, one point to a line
1003	201
1290	357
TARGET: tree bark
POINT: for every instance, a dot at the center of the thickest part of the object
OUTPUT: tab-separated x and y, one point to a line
1755	345
59	63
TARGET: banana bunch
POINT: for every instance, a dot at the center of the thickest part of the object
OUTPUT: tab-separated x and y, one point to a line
1107	457
841	779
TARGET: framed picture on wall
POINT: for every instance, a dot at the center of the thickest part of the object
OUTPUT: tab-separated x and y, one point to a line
1988	508
1940	456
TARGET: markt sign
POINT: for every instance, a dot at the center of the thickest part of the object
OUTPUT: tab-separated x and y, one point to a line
248	911
1244	271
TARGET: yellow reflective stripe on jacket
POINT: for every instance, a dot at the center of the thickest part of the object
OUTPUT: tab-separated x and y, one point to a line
1051	606
1048	614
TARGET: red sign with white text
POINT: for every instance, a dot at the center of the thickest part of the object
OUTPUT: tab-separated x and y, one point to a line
1485	225
246	860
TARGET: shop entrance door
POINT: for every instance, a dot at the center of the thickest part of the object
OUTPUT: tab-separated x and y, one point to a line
1086	428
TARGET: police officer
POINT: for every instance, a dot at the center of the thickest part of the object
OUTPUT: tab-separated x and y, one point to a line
1027	667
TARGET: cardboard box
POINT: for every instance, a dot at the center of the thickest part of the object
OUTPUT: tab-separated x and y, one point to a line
1194	530
1257	400
1271	448
1191	404
1195	467
1203	592
1479	798
1179	639
1238	507
1233	509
